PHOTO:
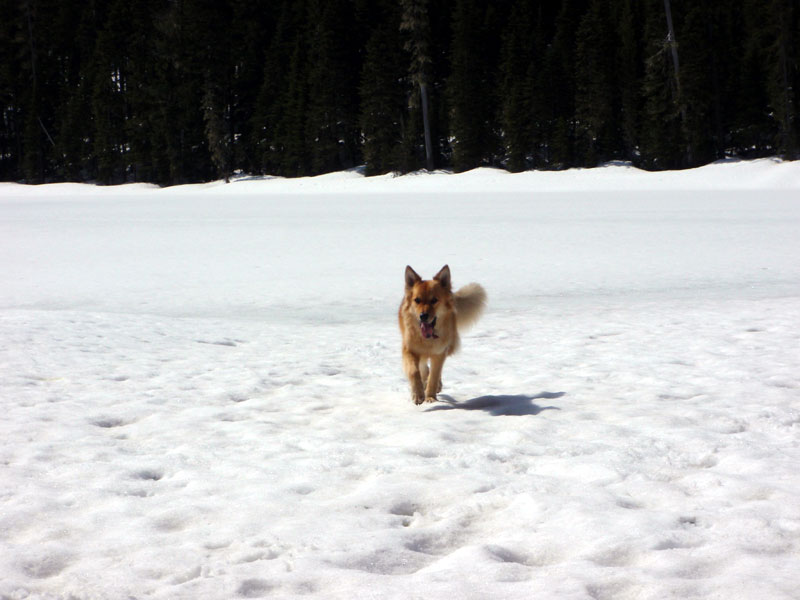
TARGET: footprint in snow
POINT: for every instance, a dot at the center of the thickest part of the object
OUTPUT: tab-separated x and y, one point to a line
229	343
254	588
109	422
46	565
149	474
404	509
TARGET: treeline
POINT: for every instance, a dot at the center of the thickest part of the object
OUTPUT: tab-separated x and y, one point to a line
174	91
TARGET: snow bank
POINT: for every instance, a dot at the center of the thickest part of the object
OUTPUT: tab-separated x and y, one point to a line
762	174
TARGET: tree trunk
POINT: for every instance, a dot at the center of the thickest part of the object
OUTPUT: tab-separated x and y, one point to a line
415	20
673	45
423	92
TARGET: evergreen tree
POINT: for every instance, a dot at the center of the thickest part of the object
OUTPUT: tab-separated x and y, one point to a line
753	130
557	84
701	80
269	104
71	124
333	68
629	72
179	124
471	88
146	158
290	138
9	93
440	68
175	91
212	47
40	70
279	121
416	22
253	25
725	60
662	138
596	114
519	58
14	83
383	91
783	73
109	94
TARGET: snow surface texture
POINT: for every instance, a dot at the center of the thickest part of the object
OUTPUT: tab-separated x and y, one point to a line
202	393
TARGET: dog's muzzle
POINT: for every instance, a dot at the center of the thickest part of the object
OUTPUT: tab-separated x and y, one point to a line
427	328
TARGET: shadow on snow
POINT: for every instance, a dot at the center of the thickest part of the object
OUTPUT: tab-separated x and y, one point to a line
516	405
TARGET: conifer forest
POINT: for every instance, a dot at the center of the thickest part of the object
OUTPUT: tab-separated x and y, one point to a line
177	91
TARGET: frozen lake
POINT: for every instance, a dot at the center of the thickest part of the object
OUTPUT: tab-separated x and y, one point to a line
203	396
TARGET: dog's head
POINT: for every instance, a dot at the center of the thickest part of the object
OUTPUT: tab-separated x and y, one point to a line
428	298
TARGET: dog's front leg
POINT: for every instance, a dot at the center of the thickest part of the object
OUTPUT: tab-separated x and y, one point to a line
411	367
423	370
435	377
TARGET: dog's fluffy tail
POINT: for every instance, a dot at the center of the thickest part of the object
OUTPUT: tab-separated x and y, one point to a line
470	301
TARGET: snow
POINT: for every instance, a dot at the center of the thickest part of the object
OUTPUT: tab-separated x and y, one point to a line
202	392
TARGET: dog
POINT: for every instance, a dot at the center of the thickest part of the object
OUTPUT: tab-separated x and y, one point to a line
431	316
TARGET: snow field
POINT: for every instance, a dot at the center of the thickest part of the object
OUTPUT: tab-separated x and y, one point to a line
203	398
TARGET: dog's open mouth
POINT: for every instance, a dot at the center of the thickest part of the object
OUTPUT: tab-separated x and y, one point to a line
428	329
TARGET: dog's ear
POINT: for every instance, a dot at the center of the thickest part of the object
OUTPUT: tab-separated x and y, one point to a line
443	277
411	277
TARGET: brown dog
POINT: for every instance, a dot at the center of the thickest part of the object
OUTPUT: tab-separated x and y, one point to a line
431	316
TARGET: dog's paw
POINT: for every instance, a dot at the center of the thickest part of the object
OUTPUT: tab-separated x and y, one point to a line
430	399
418	399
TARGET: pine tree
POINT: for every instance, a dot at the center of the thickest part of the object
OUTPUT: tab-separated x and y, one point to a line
145	157
179	124
662	136
383	90
333	68
290	137
279	121
10	92
188	90
518	62
628	70
416	23
701	80
753	130
74	131
37	37
471	88
269	104
557	84
211	48
725	59
596	111
783	72
254	23
109	94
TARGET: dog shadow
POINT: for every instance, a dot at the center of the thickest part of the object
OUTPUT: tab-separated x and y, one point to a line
509	406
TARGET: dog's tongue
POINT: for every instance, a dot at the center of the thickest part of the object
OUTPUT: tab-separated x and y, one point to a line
427	330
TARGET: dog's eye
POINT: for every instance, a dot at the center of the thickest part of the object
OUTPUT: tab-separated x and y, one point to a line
434	301
417	300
